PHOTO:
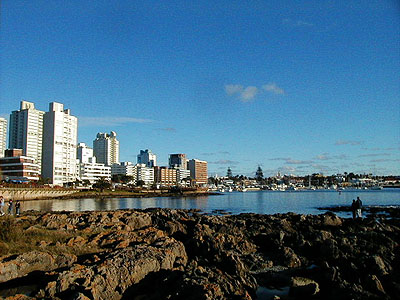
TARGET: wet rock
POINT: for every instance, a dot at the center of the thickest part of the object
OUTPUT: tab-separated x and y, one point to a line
374	285
378	265
290	258
303	287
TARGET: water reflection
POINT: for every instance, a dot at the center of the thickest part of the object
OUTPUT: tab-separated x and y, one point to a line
257	202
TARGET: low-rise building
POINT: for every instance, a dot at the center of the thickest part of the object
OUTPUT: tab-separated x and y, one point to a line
182	175
125	168
15	167
93	171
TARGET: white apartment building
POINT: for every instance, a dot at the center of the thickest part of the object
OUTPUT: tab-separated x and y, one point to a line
145	174
84	153
182	174
3	136
126	168
88	169
93	171
60	131
106	148
147	157
26	131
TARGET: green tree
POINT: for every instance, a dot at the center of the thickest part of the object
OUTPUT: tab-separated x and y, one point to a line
229	173
140	183
259	174
102	184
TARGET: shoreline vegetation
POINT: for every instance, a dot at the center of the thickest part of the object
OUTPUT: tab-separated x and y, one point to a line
185	254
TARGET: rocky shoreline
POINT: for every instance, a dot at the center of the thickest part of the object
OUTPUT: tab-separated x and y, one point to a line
183	254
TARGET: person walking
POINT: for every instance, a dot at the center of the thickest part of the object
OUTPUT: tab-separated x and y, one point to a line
10	207
17	207
354	208
2	205
359	207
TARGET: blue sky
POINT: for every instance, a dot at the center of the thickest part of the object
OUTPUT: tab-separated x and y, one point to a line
294	86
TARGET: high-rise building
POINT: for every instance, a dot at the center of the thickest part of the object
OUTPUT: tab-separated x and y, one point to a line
3	136
106	148
178	161
26	131
198	171
60	131
147	157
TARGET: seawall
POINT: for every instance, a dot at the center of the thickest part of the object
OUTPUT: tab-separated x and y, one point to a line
32	193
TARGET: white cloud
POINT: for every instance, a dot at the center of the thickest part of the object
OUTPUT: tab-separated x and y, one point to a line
374	154
167	129
224	162
352	143
273	88
109	121
248	93
326	156
298	162
298	23
385	160
322	157
232	89
280	158
245	94
302	23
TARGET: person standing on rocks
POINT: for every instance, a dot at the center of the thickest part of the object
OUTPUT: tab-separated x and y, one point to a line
359	207
354	208
1	205
10	207
17	207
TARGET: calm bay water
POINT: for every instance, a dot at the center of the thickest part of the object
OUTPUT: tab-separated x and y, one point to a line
263	202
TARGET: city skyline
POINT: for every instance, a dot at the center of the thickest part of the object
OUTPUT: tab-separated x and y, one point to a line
295	88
